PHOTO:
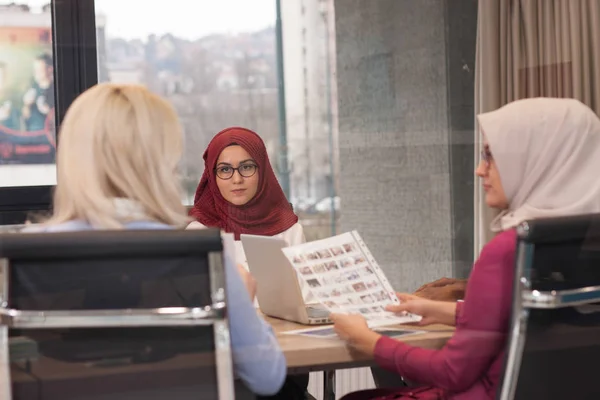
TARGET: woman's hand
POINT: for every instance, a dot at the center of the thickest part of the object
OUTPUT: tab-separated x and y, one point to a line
348	326
444	289
432	312
415	305
353	329
248	280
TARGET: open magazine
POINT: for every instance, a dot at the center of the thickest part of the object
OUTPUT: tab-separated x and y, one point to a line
343	276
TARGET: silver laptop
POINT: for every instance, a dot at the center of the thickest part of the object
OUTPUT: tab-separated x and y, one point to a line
278	290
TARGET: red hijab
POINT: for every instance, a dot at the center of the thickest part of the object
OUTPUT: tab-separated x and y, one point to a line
267	214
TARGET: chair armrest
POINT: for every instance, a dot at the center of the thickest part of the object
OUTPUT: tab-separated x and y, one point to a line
167	316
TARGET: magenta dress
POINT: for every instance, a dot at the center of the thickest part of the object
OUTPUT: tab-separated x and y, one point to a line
469	366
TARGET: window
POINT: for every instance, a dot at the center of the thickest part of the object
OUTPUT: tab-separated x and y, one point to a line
379	121
395	154
220	69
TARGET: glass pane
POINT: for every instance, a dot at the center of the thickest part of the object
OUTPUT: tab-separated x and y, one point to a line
27	97
115	364
219	69
379	113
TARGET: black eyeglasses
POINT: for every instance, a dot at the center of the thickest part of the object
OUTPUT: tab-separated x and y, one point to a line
245	170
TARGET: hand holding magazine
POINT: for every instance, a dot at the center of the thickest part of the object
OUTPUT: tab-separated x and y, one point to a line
343	276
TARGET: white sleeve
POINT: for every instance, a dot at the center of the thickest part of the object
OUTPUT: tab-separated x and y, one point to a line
195	225
294	235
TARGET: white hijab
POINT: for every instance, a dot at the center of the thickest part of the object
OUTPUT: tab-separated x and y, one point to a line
547	152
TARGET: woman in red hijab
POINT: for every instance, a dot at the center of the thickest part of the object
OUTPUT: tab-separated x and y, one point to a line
239	193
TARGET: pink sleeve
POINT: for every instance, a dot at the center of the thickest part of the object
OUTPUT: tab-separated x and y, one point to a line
482	322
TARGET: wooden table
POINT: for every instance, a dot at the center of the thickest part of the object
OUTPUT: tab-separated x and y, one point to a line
304	354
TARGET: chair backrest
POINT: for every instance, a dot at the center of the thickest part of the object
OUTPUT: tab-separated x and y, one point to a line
114	314
554	339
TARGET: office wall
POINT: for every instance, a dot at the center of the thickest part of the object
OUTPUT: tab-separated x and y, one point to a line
395	132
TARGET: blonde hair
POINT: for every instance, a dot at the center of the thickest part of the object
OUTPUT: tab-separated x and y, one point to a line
118	141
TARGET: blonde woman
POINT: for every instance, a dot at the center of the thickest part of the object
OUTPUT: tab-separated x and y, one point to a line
119	150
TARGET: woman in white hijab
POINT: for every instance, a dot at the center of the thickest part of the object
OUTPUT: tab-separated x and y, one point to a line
541	158
548	154
545	150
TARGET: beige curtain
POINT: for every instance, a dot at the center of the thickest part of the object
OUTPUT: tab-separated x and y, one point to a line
533	48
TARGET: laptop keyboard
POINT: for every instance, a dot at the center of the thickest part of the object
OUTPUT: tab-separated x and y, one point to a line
317	311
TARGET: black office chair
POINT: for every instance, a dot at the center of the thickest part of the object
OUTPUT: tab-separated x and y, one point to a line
554	341
114	315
